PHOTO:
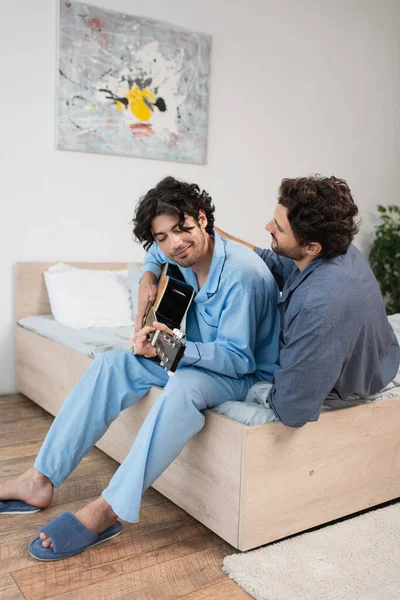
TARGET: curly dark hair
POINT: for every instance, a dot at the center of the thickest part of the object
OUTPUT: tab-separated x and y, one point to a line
171	197
320	209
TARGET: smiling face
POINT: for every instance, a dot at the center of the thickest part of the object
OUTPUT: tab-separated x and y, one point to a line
283	239
185	248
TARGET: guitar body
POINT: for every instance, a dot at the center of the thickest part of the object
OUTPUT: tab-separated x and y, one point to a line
174	297
173	300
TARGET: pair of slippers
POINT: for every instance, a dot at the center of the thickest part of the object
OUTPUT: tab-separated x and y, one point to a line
68	535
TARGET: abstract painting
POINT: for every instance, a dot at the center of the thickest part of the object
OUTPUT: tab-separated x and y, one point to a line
131	86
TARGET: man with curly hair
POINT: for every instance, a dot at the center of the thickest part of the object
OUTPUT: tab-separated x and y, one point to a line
337	345
232	329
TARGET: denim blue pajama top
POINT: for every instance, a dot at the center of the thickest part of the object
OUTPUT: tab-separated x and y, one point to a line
335	334
232	325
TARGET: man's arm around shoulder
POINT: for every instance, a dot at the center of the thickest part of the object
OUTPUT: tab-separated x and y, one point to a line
279	266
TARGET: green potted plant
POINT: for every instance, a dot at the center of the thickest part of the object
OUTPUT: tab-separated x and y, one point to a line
384	256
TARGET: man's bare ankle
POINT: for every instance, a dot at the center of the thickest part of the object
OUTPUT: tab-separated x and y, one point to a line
38	477
105	507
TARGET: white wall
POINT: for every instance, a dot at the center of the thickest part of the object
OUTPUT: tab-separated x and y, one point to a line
297	87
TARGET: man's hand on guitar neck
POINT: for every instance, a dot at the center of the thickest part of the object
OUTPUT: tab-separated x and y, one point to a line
147	294
141	343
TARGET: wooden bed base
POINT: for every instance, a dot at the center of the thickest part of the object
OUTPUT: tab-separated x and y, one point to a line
250	485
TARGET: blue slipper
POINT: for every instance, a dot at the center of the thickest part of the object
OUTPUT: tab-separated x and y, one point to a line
69	537
17	507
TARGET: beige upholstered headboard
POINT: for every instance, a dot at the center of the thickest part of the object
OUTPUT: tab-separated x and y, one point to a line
32	296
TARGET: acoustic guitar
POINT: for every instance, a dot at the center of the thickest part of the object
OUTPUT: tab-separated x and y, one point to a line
170	307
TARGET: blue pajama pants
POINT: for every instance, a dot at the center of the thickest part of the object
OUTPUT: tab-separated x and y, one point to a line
115	381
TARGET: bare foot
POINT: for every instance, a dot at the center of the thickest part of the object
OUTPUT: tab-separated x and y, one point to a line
96	516
31	487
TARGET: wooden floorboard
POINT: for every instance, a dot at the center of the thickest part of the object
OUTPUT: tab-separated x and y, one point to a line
167	555
19	399
9	589
226	590
23	450
21	424
15	438
164	581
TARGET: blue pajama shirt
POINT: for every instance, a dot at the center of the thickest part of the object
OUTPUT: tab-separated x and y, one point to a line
233	332
335	335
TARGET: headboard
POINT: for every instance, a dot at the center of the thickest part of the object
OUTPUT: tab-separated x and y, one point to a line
32	296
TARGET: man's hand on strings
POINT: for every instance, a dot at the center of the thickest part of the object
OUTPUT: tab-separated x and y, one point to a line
141	343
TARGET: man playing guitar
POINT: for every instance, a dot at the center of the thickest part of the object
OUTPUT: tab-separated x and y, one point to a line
232	328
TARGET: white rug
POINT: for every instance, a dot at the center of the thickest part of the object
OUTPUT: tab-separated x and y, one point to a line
357	559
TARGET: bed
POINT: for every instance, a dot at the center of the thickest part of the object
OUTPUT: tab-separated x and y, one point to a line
249	484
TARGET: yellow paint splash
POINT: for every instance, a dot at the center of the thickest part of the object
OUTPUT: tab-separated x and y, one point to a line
137	104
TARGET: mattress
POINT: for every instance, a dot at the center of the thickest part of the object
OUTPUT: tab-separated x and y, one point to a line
254	411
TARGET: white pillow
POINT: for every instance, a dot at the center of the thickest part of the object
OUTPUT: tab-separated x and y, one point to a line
83	298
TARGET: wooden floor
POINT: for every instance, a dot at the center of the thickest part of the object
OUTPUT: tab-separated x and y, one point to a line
168	554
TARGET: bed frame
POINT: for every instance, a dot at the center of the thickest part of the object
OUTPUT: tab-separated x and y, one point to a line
250	485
